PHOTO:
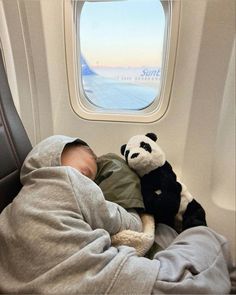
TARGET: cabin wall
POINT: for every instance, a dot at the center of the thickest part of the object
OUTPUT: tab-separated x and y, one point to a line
209	156
197	132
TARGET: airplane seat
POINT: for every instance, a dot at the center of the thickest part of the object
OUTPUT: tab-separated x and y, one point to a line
14	143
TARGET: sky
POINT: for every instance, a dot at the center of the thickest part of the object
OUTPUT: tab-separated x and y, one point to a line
122	33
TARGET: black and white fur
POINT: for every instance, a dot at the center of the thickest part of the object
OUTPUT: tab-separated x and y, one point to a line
167	199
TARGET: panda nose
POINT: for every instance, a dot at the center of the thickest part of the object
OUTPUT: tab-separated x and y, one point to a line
135	155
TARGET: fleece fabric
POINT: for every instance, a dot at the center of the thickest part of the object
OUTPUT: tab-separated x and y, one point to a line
55	235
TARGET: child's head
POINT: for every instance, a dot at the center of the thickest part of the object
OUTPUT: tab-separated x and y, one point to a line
80	157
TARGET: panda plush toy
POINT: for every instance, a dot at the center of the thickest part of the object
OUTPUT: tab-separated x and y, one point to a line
164	197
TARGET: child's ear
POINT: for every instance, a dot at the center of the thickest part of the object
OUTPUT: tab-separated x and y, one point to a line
152	136
122	149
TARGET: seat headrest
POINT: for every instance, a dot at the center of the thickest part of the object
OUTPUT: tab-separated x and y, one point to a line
14	143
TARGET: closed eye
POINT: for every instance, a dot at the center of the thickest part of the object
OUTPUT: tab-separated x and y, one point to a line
146	146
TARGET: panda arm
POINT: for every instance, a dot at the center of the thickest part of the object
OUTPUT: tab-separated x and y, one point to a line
167	203
168	181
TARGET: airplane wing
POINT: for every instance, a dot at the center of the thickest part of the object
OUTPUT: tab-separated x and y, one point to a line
112	94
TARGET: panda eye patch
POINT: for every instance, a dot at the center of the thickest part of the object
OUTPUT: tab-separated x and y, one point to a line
146	146
126	154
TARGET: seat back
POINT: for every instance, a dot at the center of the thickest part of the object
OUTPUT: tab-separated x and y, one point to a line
14	143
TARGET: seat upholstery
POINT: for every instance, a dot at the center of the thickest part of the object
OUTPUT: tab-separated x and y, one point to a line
14	143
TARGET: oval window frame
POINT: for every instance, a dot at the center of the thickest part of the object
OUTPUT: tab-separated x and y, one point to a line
79	102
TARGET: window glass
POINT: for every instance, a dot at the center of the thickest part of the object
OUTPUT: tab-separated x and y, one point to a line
121	53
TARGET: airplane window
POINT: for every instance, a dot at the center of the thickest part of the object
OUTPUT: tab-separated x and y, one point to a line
121	53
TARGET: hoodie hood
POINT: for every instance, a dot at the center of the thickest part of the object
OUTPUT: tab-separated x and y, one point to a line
46	154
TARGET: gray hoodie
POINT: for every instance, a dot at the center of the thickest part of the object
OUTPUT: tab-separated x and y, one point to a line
55	235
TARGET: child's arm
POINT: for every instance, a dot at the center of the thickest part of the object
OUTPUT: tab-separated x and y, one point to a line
126	219
98	212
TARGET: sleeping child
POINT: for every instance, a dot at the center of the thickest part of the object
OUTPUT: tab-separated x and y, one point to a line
55	237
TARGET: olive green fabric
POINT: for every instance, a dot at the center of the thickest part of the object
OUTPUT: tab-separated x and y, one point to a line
118	182
153	251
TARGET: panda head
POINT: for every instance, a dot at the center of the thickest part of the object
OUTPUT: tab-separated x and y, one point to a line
143	154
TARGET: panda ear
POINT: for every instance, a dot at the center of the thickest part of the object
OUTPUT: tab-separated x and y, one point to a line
152	136
122	149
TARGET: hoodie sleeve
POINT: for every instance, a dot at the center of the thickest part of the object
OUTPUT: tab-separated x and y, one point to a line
98	212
